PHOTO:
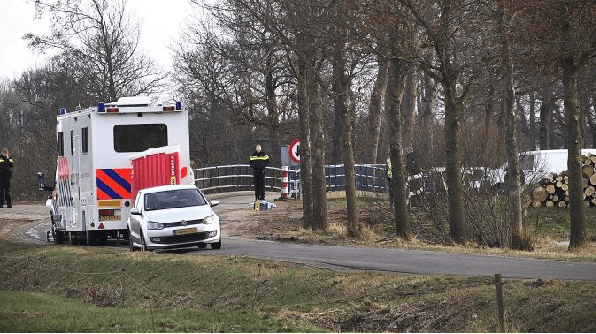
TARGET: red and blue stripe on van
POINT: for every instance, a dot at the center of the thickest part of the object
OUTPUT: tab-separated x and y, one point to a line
113	183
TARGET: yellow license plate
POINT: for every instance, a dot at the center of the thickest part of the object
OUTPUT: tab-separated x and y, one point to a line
111	218
185	231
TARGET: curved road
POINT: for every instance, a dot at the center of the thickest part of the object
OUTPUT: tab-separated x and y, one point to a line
397	261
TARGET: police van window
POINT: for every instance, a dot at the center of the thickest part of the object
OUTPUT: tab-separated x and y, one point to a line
60	143
139	137
85	140
71	142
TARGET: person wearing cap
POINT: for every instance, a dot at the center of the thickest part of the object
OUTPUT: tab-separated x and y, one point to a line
258	161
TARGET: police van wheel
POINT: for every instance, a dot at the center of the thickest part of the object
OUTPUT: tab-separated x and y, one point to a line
57	235
216	245
102	238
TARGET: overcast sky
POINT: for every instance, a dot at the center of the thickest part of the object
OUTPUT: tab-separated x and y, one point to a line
161	24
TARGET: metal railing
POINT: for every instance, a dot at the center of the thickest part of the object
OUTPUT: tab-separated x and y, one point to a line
231	178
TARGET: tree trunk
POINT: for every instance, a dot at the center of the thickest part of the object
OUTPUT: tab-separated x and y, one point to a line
533	121
319	180
341	88
513	179
584	105
305	144
395	86
545	121
409	106
574	161
336	155
271	104
375	114
453	111
426	105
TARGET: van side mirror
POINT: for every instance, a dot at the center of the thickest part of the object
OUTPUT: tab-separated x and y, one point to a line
135	211
214	203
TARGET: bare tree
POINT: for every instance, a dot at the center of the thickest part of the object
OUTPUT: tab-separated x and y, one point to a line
395	87
375	114
341	89
101	34
444	29
511	121
561	33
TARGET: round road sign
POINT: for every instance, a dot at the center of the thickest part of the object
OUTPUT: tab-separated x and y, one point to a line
294	151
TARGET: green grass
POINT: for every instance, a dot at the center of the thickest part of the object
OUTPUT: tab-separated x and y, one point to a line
553	223
36	312
90	289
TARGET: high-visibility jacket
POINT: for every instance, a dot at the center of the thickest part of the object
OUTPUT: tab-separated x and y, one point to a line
259	160
5	164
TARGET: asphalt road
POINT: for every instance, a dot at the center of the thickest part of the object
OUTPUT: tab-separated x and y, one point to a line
397	261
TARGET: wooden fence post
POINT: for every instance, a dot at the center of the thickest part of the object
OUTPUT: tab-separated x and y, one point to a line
500	309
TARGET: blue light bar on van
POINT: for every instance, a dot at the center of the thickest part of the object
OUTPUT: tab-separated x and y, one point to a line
101	107
62	111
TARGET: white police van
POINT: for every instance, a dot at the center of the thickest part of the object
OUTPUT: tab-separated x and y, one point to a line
101	165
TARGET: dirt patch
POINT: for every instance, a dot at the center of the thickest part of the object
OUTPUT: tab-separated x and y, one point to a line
15	221
7	226
263	224
284	223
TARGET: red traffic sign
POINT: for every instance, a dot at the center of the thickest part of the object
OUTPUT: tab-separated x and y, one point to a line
294	151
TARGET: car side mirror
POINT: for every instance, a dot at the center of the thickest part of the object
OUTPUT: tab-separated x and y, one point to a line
135	211
214	203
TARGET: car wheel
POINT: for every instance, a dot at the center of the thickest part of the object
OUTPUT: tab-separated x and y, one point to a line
216	245
131	246
143	245
56	235
202	246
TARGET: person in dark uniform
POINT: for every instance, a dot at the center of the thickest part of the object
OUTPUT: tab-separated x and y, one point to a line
5	176
258	161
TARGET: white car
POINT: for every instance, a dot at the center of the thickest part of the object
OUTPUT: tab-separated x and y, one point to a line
173	217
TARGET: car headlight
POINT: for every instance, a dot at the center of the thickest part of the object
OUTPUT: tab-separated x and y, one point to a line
155	226
211	219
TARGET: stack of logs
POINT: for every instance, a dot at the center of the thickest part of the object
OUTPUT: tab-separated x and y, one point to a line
553	190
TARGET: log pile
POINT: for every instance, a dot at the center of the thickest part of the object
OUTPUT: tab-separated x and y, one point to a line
553	189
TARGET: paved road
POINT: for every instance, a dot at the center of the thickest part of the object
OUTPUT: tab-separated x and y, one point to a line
398	261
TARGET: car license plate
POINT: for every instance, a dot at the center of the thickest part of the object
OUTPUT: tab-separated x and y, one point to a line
185	231
111	218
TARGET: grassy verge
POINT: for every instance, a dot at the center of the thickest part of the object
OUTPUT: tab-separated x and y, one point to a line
546	226
78	289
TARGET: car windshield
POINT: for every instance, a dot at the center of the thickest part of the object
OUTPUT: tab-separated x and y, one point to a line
179	198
